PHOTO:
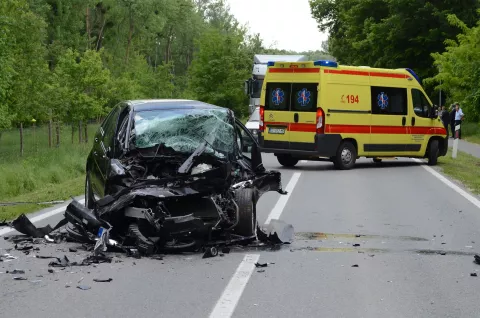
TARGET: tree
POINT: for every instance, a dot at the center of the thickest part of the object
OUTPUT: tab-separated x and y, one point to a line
391	33
219	70
459	69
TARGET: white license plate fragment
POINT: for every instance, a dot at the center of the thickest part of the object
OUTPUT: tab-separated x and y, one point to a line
276	131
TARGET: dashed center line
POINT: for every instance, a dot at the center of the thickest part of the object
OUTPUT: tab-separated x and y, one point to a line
231	295
282	201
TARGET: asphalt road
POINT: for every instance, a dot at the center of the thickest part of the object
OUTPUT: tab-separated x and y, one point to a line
403	217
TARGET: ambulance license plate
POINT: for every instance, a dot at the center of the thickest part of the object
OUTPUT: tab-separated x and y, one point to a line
276	131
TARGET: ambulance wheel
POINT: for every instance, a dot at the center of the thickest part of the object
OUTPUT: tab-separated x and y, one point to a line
376	160
287	160
346	156
433	152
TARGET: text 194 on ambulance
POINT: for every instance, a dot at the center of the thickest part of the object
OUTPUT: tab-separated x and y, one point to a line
327	112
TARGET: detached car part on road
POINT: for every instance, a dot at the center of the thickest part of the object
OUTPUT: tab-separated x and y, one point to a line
170	175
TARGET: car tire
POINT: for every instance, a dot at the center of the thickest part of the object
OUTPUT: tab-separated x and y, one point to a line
377	161
89	200
143	244
287	160
247	222
433	152
346	156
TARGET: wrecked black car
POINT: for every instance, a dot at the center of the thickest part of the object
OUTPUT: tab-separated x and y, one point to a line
171	175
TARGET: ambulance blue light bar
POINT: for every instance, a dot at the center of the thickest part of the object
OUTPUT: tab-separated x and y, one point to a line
325	63
271	63
414	75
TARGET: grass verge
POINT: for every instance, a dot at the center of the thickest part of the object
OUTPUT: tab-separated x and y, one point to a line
61	191
471	132
465	168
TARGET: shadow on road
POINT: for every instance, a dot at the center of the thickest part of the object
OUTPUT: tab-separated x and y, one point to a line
327	166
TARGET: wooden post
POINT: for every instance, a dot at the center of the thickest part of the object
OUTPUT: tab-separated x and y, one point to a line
50	133
79	131
86	132
57	128
21	139
73	132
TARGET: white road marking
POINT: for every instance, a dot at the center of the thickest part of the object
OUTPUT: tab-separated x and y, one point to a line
452	185
282	202
303	161
231	295
40	217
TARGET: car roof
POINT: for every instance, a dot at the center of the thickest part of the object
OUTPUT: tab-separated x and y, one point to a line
156	104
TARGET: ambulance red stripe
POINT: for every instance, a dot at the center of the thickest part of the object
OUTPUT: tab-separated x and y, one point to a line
361	129
294	70
360	73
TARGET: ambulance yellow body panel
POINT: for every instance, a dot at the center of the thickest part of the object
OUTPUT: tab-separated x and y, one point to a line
323	111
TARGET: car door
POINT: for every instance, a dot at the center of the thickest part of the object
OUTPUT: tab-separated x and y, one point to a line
388	129
103	148
303	107
420	122
277	116
248	146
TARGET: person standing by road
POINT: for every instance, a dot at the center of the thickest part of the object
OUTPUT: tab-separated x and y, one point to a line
458	118
452	119
445	117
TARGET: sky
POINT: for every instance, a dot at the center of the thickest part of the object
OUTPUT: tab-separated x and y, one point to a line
283	24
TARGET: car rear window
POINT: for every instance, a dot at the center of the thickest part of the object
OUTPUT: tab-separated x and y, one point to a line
299	97
278	96
304	97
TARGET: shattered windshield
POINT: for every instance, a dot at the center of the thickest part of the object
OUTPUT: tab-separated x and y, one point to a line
184	129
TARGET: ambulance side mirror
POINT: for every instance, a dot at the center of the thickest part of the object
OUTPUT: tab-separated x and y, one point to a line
247	87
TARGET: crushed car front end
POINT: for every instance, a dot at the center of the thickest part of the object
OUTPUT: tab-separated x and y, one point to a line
181	182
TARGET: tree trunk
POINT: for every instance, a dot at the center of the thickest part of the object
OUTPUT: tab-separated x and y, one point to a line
50	133
21	139
79	131
130	35
57	128
87	23
86	132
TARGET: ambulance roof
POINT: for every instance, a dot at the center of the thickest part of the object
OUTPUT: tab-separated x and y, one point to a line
264	59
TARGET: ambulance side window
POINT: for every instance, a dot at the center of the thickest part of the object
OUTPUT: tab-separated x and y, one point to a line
421	106
278	96
304	97
389	101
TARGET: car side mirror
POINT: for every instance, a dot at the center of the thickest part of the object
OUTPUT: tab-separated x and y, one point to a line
257	163
247	87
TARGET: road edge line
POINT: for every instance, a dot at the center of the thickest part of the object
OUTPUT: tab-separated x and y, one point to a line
40	217
227	303
450	184
282	201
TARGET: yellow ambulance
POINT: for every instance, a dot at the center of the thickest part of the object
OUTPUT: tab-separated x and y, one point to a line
320	110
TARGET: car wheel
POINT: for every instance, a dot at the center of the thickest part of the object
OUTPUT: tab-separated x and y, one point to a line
247	221
376	160
89	201
433	152
144	245
287	160
346	156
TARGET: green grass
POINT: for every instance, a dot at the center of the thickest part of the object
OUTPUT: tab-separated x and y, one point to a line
42	173
471	132
465	168
60	191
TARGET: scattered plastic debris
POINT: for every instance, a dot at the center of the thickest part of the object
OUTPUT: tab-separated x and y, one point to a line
356	245
50	271
19	278
261	271
477	259
16	271
276	232
83	287
261	265
356	265
473	274
97	280
210	252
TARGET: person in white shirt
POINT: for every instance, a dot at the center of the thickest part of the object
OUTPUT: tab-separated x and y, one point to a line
458	118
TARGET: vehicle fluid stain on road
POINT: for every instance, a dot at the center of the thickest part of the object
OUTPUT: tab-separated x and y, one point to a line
328	236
